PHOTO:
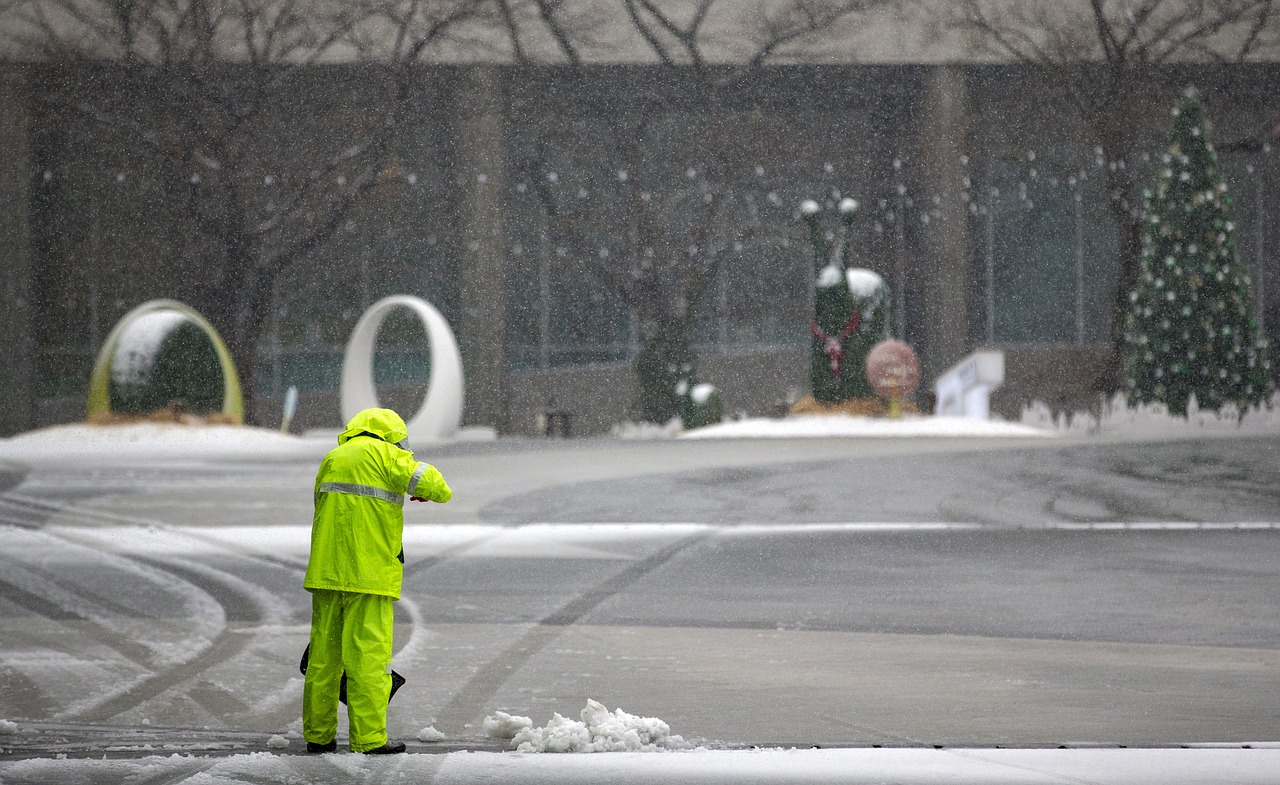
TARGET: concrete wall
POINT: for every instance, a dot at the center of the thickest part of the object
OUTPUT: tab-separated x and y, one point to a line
485	248
944	285
17	376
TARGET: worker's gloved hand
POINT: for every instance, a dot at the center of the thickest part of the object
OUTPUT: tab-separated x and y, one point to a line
418	499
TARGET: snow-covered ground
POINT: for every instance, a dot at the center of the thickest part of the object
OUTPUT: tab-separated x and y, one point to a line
1037	420
757	766
629	739
819	426
157	440
172	440
634	745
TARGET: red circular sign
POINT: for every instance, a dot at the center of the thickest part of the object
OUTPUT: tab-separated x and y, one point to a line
893	369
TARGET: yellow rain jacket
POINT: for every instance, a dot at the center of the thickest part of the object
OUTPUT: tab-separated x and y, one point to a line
357	531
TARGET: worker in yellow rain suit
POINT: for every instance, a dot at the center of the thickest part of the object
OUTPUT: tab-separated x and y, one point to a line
354	576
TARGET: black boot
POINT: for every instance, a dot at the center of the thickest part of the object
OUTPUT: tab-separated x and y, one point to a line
390	748
317	748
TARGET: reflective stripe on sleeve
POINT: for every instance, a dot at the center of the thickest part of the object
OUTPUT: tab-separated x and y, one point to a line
356	489
417	475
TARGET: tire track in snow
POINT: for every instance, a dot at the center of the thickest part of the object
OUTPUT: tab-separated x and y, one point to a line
57	612
469	701
236	604
23	513
20	691
76	607
12	475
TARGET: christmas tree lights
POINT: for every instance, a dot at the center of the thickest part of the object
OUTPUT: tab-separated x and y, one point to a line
1191	329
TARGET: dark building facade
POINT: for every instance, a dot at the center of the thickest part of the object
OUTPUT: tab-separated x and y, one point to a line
983	204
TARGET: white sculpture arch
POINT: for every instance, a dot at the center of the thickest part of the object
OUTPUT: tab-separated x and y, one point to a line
441	411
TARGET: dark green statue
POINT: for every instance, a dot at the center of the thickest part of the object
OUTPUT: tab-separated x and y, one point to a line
851	312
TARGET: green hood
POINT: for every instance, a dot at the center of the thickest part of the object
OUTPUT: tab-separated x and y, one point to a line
383	423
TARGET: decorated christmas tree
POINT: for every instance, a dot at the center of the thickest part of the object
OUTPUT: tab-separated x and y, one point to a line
1191	329
851	313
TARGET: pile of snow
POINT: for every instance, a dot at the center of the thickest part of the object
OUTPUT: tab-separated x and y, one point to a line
599	731
7	726
277	742
839	425
501	725
1156	420
430	734
157	440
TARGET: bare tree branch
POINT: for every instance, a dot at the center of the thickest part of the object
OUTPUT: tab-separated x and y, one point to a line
513	30
636	14
781	25
549	12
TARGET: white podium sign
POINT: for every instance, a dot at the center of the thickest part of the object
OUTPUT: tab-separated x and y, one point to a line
964	390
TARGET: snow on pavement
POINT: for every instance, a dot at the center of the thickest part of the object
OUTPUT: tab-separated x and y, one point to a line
599	731
630	740
1038	420
431	734
918	766
158	441
827	426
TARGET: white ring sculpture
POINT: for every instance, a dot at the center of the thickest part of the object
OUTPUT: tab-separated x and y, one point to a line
441	411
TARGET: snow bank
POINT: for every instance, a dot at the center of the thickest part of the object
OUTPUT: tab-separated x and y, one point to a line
1155	420
819	426
1037	420
647	430
7	726
158	440
599	731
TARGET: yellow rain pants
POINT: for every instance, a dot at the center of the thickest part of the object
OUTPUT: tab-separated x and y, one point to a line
350	631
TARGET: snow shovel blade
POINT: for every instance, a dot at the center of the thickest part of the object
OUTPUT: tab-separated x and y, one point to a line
397	681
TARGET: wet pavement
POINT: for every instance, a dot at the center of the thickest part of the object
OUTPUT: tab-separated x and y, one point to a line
841	593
